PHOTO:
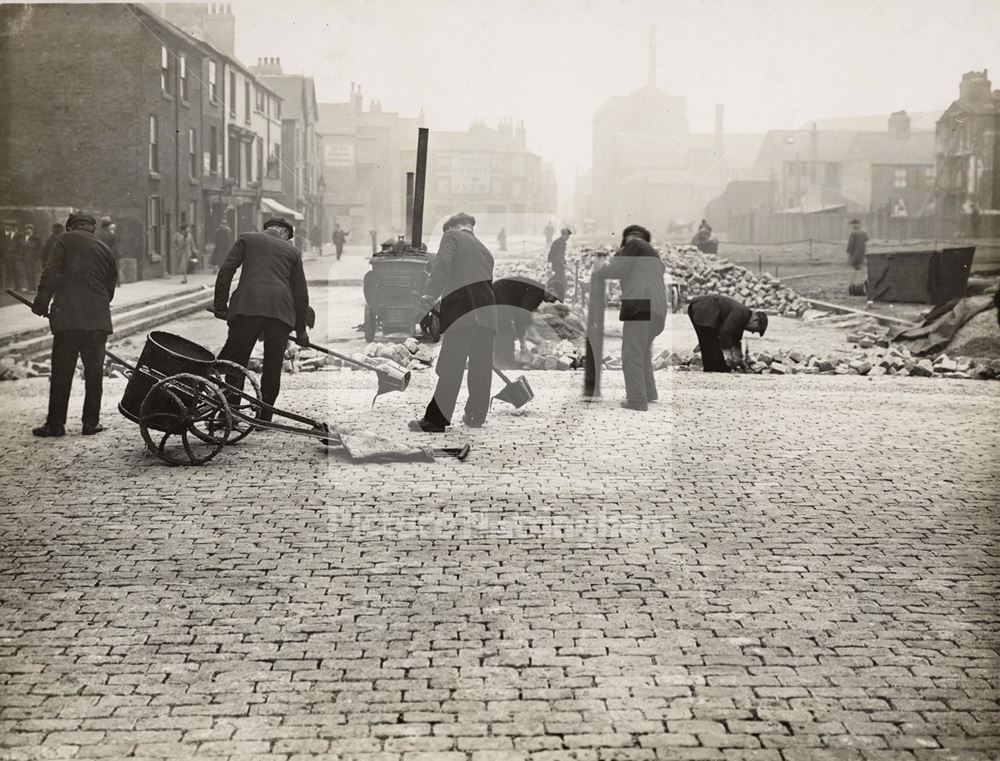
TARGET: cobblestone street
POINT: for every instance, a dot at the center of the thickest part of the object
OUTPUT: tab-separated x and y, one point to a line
760	567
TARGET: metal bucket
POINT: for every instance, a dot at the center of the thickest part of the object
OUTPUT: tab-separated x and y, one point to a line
164	354
516	392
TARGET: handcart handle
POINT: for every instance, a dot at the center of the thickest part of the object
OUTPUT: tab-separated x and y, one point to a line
24	300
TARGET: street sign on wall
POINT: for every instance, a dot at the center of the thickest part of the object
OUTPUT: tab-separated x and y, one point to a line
338	154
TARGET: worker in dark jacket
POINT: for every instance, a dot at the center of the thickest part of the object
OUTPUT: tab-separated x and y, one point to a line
462	275
79	281
557	260
643	311
272	299
857	243
719	322
517	300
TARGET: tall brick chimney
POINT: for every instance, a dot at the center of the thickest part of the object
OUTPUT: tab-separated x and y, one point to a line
975	86
899	125
220	27
267	67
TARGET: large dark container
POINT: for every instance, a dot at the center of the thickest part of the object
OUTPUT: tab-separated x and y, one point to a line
390	289
164	354
923	277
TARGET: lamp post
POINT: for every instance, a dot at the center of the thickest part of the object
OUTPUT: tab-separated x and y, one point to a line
321	187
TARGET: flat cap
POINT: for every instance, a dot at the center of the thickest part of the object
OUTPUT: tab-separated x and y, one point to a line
639	230
80	217
459	219
279	222
762	322
105	220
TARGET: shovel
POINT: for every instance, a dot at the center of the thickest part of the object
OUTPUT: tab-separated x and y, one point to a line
517	392
391	377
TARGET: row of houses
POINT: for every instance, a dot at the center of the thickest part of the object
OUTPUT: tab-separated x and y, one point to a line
487	171
648	165
118	109
142	112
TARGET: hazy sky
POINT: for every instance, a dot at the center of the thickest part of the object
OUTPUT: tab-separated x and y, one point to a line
773	63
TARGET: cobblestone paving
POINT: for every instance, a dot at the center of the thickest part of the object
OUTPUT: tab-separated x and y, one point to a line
758	568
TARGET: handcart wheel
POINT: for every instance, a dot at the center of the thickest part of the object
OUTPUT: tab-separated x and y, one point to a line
244	411
185	420
325	428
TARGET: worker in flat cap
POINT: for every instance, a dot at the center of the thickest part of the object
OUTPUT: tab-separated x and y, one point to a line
719	321
557	260
272	299
462	276
75	292
643	311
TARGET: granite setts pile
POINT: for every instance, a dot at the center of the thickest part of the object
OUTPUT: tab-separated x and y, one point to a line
704	274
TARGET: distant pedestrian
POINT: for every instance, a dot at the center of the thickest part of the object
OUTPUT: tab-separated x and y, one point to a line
316	240
339	239
183	252
108	235
57	230
222	241
643	311
719	322
79	281
856	245
549	232
502	238
271	299
31	257
557	260
10	254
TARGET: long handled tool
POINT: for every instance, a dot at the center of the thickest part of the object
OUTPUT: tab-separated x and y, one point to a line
391	377
516	392
26	301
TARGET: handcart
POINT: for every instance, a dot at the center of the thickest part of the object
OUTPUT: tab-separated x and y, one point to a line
189	404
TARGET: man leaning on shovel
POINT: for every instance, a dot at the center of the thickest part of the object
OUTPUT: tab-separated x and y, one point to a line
462	275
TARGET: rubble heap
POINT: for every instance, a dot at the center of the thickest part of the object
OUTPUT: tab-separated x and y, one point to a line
709	274
695	271
896	361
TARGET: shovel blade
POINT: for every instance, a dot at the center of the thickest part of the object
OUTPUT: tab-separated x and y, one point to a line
517	392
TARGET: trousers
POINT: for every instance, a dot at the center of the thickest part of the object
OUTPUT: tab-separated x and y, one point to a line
67	347
637	357
712	359
459	346
243	334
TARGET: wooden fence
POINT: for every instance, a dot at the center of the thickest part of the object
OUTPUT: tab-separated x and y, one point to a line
768	227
